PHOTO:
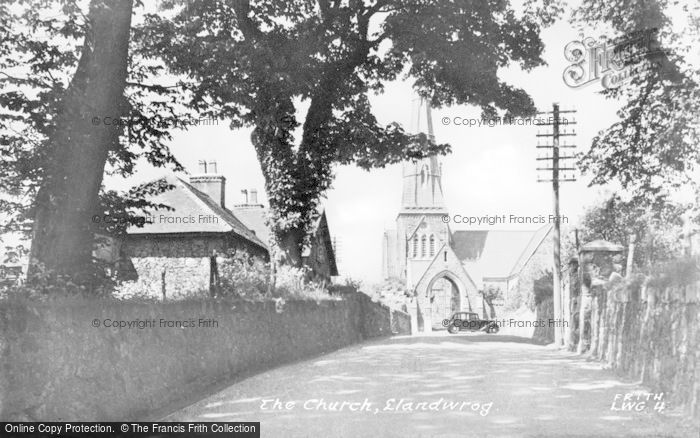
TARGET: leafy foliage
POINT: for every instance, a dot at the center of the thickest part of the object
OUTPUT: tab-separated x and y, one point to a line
543	289
391	291
39	50
654	147
492	292
682	271
257	63
245	276
118	211
656	227
48	110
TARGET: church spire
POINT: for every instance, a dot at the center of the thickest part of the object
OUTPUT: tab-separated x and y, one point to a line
422	185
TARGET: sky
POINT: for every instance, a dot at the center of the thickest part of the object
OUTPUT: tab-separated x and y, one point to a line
491	170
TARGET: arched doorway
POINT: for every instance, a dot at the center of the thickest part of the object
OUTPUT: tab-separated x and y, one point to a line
444	301
439	299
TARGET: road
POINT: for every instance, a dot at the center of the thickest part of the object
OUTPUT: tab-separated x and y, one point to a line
441	385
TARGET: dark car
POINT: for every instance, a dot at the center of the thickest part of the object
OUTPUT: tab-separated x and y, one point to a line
468	321
10	275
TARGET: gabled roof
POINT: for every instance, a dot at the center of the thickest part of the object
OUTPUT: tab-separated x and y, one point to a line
194	212
497	253
321	226
537	238
253	216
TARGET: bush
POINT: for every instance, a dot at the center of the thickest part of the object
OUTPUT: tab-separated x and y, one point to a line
240	276
243	275
391	292
543	288
678	272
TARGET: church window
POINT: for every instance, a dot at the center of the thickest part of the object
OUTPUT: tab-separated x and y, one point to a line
415	246
422	246
432	245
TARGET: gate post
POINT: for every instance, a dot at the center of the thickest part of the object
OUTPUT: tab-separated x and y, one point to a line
572	305
598	259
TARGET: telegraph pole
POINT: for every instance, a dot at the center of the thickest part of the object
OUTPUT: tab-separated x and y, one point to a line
558	175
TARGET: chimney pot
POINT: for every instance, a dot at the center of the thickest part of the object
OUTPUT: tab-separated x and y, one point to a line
253	196
245	196
210	184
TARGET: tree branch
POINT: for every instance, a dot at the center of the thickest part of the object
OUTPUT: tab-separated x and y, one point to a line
247	26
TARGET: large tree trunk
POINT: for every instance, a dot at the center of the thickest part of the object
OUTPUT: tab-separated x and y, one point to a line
292	243
78	147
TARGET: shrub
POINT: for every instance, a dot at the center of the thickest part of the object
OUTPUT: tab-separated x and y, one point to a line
391	292
243	275
678	272
543	288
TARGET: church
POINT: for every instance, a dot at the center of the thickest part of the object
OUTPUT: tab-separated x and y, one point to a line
447	270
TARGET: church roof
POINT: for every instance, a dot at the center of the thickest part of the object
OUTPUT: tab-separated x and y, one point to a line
496	253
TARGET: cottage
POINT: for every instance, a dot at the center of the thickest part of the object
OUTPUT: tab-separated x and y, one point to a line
176	251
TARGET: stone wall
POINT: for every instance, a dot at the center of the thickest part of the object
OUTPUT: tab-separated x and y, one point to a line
400	322
651	333
376	317
60	362
180	264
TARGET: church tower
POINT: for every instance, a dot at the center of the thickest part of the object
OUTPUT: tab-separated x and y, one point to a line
422	186
420	229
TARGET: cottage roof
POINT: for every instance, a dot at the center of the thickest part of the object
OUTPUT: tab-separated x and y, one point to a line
194	212
253	216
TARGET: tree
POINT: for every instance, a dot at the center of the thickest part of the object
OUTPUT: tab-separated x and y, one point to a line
256	63
653	148
491	293
73	101
77	151
656	227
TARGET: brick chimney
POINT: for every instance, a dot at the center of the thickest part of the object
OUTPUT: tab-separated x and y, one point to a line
210	183
250	199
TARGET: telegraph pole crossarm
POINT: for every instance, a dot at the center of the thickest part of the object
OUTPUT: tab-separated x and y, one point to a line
556	179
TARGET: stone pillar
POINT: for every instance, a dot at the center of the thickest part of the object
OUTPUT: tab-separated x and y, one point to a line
425	308
598	260
412	309
571	305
